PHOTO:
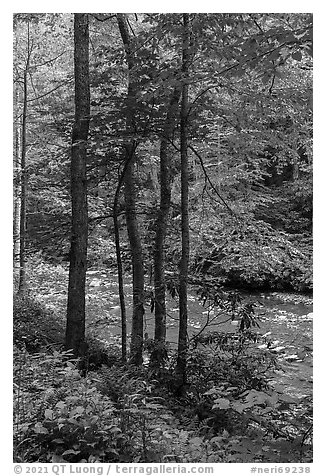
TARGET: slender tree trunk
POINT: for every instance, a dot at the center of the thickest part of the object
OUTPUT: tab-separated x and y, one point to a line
136	347
161	226
183	275
23	191
75	329
23	174
17	198
16	250
120	270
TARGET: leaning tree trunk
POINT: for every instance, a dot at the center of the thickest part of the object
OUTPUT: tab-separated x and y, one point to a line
75	329
136	347
183	274
161	226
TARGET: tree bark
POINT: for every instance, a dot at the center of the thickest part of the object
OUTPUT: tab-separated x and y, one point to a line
161	226
183	273
75	329
136	347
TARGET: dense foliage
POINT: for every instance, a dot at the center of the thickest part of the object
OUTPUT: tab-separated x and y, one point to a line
251	139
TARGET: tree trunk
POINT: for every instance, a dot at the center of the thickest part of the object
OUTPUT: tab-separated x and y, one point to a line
137	268
23	174
161	226
136	347
183	275
120	270
17	189
75	329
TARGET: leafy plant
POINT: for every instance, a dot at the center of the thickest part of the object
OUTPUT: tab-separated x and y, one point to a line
63	415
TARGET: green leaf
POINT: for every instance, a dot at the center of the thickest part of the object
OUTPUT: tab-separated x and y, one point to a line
48	414
76	411
61	405
70	452
239	407
58	459
39	428
73	421
211	391
221	403
216	440
196	441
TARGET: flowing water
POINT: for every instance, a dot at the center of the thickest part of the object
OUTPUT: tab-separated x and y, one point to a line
285	320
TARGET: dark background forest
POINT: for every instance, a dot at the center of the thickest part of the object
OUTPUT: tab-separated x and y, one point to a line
162	214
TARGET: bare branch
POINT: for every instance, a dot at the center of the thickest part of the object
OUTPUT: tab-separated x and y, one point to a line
209	180
49	61
51	91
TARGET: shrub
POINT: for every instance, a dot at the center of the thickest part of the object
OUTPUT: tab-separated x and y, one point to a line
101	353
230	358
59	415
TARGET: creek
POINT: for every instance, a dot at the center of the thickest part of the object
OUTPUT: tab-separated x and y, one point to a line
284	319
